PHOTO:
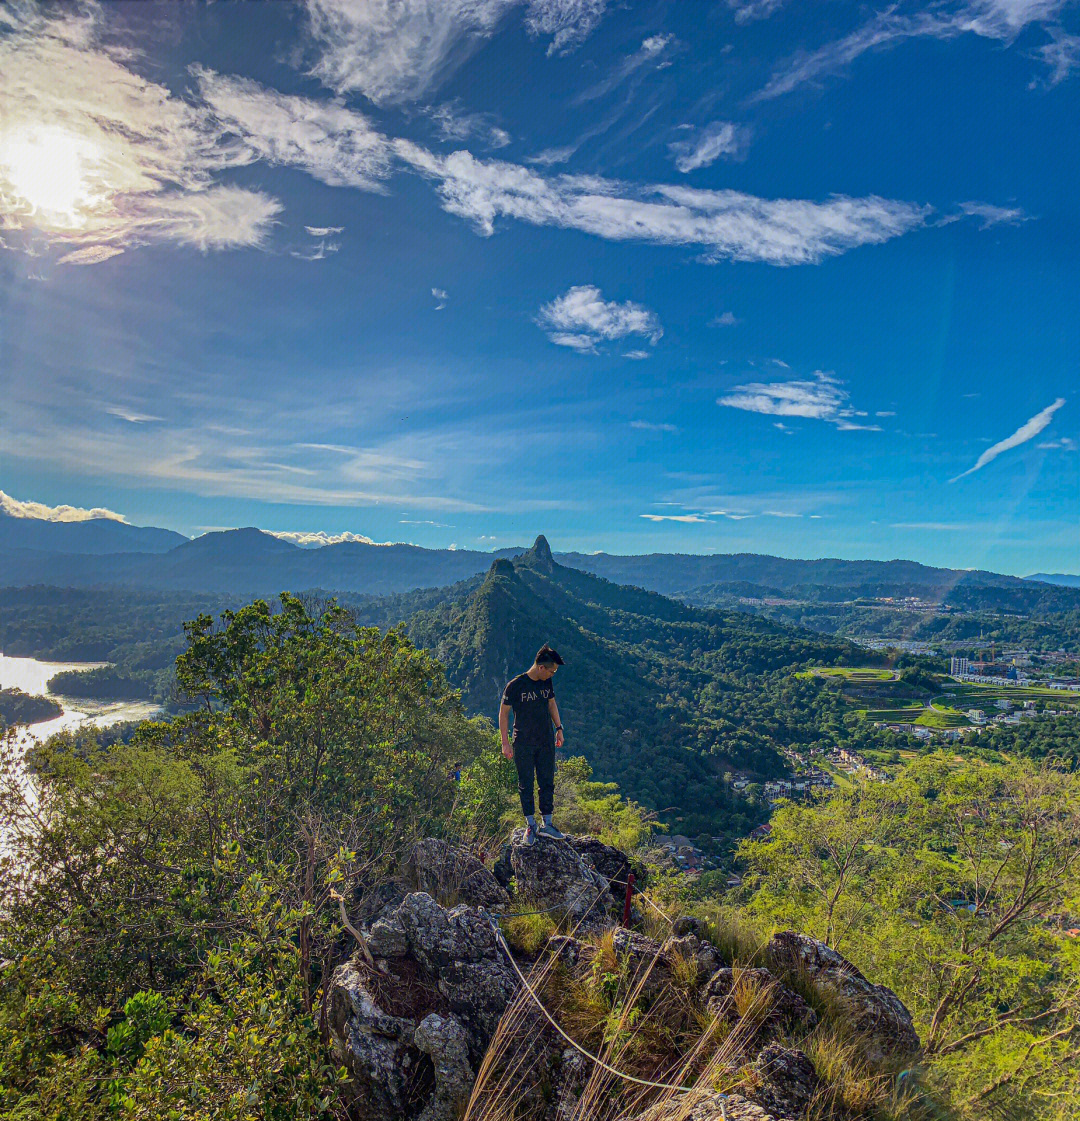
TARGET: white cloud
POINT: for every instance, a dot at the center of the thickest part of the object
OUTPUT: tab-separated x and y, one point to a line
550	156
1061	55
822	398
650	426
137	163
90	255
308	539
581	318
425	521
333	144
440	294
637	355
15	508
885	412
674	517
994	215
394	51
721	138
746	10
131	416
726	319
456	124
723	224
1027	431
569	22
1064	443
324	231
994	19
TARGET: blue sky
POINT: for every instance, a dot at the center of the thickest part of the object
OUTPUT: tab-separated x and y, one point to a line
746	276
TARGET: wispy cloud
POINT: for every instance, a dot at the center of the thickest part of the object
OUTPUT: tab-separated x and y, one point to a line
323	246
674	517
822	397
721	138
334	144
131	416
1027	431
943	527
722	224
441	297
17	508
650	426
1061	55
395	51
456	124
1063	443
549	156
648	56
726	319
994	19
139	163
581	318
746	10
994	215
324	231
637	355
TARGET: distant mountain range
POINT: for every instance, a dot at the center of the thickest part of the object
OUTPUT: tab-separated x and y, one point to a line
249	562
1063	578
93	536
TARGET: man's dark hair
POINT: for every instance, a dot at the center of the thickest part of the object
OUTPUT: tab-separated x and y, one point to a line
546	656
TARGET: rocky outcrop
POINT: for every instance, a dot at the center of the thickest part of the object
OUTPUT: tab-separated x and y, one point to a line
413	1030
448	873
554	874
875	1012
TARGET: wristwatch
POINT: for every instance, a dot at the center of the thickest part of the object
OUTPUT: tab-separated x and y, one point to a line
558	727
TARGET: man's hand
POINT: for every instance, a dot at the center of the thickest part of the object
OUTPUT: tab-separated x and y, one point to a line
558	738
507	750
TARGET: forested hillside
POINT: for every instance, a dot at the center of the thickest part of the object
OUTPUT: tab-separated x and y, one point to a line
664	698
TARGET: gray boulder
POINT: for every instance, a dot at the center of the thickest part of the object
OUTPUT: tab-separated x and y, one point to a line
786	1081
426	1017
776	1005
553	874
874	1011
445	871
707	1105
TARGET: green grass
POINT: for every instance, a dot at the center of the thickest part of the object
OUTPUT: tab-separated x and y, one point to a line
909	714
859	674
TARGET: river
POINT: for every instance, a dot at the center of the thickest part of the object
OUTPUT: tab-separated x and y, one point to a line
32	676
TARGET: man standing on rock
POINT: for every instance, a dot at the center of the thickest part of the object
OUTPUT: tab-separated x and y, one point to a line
531	696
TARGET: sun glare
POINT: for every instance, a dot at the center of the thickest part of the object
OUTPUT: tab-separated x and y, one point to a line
52	171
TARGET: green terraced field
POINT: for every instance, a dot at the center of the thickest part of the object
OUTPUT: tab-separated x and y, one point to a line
907	715
866	675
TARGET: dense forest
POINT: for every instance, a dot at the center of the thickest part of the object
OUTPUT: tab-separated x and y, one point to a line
183	975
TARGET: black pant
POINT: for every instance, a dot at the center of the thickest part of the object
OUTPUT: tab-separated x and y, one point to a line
541	759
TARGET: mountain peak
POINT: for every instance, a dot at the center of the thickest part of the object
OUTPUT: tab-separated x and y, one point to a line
539	556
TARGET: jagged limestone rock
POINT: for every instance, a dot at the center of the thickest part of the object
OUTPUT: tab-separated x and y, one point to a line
876	1012
609	861
707	1105
445	872
447	1043
553	874
458	951
434	1007
786	1081
375	1046
770	1001
705	957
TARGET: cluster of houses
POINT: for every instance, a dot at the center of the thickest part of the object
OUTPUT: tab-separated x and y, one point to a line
852	763
685	855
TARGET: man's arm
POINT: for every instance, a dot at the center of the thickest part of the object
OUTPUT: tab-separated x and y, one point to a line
553	712
504	729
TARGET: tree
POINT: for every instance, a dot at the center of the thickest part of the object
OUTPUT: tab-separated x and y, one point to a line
943	885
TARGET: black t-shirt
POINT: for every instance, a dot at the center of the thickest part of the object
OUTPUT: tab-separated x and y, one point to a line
529	700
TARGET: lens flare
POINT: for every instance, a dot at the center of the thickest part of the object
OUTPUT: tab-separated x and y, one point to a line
53	173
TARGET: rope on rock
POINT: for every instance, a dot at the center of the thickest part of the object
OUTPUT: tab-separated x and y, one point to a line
648	1083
